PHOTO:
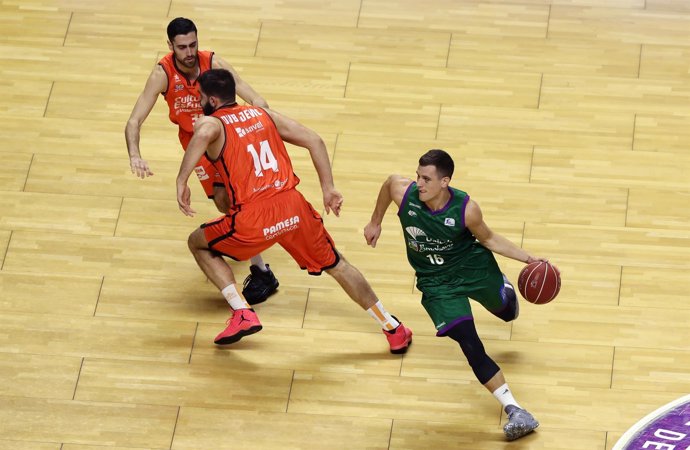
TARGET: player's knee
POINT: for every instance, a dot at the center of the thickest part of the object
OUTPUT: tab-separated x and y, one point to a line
196	240
511	311
465	334
473	350
482	365
191	244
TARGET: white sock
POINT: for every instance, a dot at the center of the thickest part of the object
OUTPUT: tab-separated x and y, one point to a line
379	313
504	396
258	261
234	298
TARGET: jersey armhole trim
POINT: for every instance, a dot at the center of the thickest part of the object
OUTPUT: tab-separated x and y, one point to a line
167	80
404	199
462	210
222	148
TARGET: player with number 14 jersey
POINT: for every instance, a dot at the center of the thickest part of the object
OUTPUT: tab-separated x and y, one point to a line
254	162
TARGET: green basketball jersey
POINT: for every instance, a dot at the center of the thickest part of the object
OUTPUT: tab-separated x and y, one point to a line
438	241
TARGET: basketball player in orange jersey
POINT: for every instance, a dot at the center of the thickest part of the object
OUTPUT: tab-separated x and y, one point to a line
246	146
175	78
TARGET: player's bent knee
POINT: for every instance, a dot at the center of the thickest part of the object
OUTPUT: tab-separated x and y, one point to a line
512	309
197	240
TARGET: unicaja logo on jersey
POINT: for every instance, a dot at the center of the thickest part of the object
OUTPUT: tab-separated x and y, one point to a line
419	241
281	227
415	232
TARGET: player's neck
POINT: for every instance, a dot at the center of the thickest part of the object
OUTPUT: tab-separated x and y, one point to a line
439	201
192	73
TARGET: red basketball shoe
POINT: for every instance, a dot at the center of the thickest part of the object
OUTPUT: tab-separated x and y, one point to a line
399	338
242	323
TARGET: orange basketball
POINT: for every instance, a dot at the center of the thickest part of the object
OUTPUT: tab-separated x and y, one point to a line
539	282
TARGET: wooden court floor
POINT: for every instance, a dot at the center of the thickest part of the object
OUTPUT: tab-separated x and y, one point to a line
569	123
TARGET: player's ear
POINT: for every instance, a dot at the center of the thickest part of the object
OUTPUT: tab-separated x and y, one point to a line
170	46
445	181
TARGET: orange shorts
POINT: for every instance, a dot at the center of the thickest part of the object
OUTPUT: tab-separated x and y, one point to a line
286	219
207	174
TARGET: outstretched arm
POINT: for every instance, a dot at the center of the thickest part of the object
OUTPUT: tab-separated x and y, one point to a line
392	190
243	89
155	85
493	241
297	134
206	131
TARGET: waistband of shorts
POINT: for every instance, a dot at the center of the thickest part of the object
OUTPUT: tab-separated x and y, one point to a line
264	202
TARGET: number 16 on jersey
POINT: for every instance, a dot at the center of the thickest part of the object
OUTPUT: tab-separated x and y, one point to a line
435	259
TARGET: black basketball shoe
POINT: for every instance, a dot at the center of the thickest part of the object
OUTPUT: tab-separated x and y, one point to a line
259	285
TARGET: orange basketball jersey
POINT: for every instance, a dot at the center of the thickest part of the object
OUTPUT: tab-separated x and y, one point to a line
182	94
253	163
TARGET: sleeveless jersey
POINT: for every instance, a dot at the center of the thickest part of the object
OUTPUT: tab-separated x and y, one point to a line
438	241
182	94
253	163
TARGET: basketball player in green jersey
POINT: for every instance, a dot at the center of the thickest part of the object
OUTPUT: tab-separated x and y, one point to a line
450	248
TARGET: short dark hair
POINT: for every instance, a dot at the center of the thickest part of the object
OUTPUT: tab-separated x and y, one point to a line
441	160
218	83
178	26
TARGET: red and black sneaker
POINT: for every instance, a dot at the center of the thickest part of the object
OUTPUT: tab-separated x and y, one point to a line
400	338
242	323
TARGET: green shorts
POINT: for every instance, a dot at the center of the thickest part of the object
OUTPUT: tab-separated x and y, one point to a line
446	296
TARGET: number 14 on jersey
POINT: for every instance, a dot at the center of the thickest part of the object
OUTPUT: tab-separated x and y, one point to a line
264	160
